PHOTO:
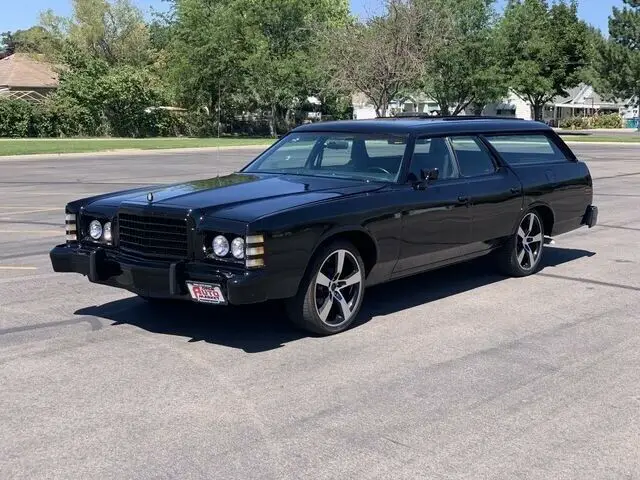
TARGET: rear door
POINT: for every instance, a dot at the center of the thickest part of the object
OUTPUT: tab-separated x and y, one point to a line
495	192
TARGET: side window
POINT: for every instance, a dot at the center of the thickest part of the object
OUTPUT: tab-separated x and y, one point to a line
430	153
527	148
473	157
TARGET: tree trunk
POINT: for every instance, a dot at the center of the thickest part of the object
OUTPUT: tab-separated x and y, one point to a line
536	110
444	108
272	121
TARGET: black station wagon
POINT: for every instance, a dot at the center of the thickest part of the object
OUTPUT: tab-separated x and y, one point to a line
334	207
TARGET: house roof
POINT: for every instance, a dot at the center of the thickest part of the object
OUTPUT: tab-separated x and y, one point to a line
585	96
22	70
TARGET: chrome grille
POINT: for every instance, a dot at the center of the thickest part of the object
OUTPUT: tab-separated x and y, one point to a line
158	236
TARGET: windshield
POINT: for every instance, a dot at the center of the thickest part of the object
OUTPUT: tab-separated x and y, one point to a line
359	156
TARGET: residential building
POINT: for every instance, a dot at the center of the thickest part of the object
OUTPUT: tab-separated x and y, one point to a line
579	102
26	76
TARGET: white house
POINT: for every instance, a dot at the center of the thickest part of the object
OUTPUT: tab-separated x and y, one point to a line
579	101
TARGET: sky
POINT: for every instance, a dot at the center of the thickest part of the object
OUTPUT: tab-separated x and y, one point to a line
20	14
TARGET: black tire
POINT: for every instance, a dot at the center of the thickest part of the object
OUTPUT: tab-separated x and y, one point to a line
304	309
514	258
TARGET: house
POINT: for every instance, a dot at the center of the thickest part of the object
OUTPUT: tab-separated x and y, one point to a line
580	101
28	77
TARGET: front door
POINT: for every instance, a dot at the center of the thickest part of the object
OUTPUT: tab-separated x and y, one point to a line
436	224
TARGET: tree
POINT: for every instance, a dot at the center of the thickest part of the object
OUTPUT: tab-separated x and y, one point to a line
619	59
465	70
7	44
111	30
251	54
543	49
384	55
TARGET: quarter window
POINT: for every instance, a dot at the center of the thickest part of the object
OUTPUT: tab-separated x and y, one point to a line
473	157
528	148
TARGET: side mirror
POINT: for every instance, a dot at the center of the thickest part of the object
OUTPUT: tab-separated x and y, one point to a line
428	175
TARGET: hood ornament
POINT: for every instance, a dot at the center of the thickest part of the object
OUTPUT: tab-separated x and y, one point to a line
150	197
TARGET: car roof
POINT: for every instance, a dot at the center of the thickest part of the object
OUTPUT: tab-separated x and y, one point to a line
426	125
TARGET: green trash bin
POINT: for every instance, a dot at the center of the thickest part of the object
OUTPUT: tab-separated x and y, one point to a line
633	122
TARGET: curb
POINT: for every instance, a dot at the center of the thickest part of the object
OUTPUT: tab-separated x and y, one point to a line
129	152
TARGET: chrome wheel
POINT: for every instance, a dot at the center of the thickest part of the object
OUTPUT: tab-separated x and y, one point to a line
529	242
338	287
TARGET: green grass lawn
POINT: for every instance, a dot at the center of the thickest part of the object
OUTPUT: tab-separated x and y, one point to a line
602	138
74	145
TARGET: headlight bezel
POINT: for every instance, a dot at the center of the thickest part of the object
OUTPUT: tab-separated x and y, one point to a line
84	232
249	255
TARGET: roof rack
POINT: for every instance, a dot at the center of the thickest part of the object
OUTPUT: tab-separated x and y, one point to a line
426	116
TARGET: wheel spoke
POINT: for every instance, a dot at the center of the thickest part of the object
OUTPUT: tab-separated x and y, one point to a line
521	256
323	280
339	264
353	279
536	238
531	218
532	260
521	233
326	308
344	306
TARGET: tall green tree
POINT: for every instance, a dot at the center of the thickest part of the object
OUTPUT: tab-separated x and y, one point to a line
111	30
256	54
544	49
619	62
465	69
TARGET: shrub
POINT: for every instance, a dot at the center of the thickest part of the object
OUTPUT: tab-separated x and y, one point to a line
612	120
574	123
16	118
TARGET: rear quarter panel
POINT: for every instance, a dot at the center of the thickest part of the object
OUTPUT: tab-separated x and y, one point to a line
566	187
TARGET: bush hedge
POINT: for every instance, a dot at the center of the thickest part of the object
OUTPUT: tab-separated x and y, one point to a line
612	120
19	118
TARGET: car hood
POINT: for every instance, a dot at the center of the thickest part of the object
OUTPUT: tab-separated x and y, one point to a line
240	196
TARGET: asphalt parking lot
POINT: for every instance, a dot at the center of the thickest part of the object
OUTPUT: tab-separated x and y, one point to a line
459	373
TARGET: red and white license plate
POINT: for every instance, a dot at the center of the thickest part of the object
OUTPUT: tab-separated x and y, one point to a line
206	293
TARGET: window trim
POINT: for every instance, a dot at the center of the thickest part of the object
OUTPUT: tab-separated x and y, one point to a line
497	165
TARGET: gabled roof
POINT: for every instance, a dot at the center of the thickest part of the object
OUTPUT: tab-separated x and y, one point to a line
22	70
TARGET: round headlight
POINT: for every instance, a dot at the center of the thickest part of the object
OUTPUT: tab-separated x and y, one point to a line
237	248
220	246
95	230
106	231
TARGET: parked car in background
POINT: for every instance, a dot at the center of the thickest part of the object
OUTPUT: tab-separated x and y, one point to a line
334	207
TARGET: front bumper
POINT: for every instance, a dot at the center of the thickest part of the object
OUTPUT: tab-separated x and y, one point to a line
158	279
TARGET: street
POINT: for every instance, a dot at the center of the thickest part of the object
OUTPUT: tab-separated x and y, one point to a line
459	373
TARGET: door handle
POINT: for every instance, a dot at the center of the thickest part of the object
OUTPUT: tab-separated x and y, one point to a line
463	199
515	190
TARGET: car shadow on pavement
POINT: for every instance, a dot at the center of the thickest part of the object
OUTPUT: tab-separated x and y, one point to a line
263	327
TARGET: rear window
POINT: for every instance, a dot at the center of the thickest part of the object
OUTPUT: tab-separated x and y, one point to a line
527	148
